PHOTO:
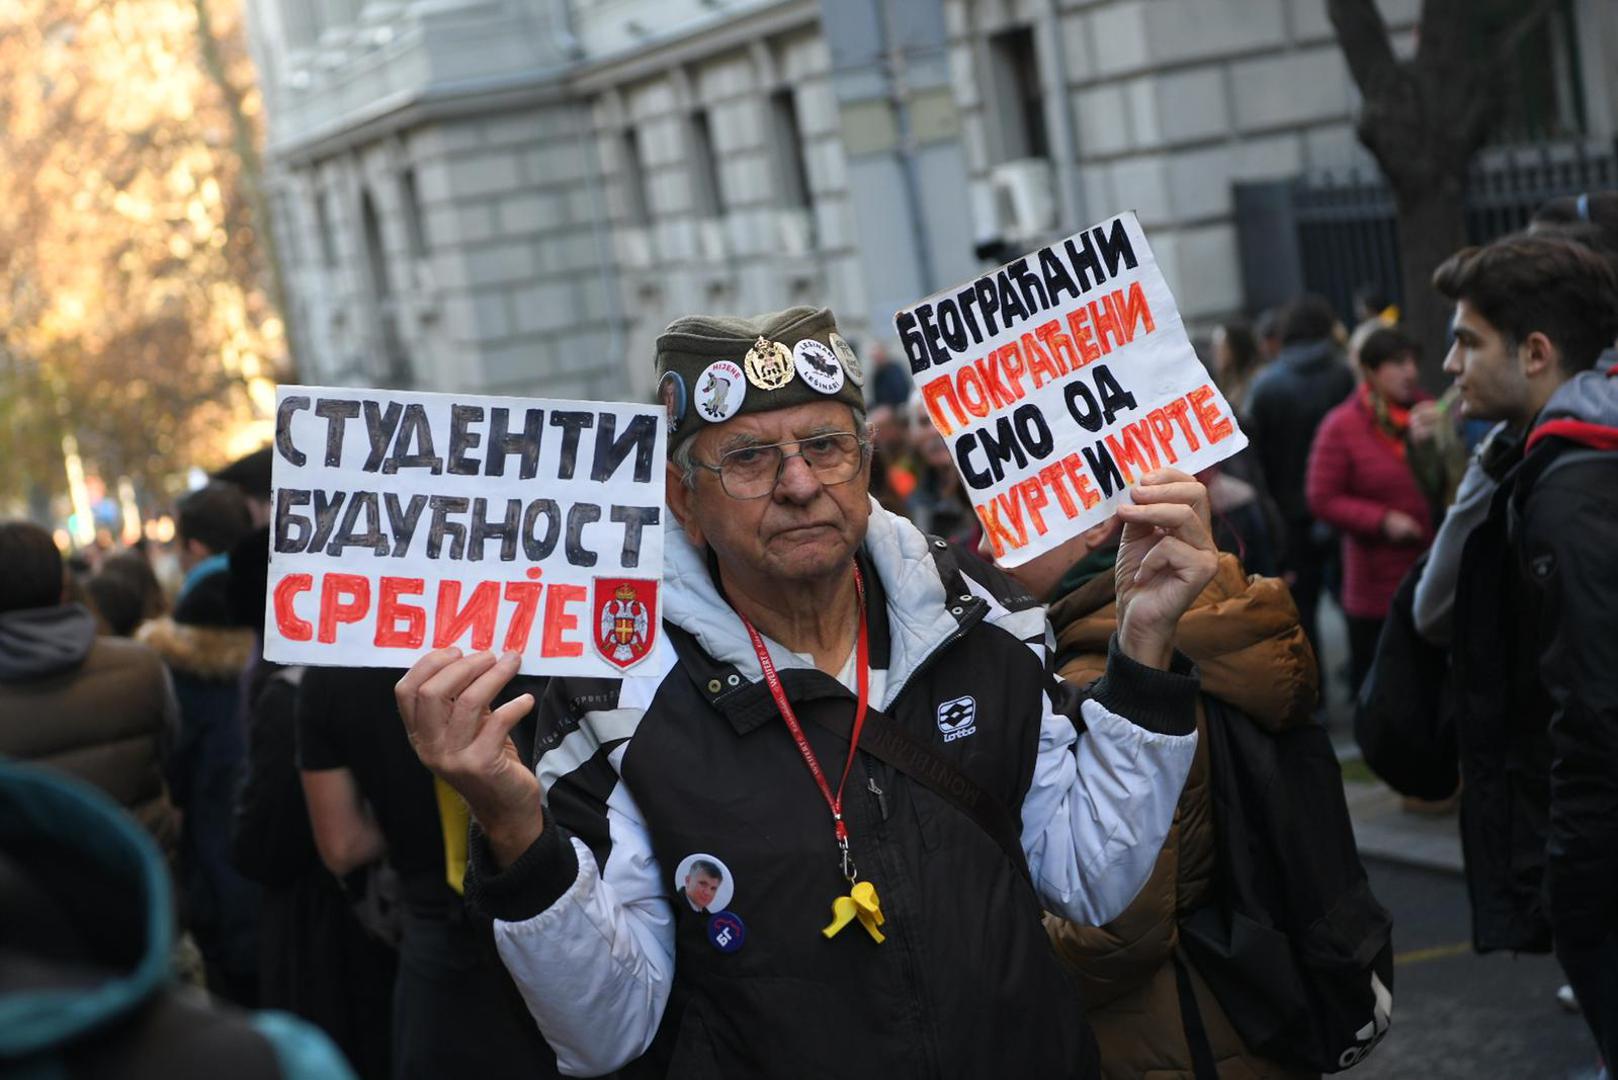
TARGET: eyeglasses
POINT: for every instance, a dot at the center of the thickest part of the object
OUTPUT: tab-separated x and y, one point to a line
751	472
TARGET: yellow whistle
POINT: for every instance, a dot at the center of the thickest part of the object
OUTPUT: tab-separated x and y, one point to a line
843	911
861	903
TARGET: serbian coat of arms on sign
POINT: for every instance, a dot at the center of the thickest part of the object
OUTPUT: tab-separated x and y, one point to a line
625	619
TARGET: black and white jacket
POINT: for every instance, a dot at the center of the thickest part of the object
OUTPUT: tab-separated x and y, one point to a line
692	759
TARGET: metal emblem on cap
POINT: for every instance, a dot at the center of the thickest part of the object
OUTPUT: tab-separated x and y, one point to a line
769	364
851	362
671	392
817	365
720	390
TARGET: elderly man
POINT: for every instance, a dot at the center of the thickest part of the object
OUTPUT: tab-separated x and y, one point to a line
858	724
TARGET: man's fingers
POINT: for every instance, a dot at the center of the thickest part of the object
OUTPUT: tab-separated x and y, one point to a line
1159	477
1169	555
471	702
404	691
498	728
1177	519
443	689
1184	490
426	668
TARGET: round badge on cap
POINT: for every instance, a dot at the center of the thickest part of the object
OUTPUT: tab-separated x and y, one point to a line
727	932
719	391
671	392
851	361
818	366
769	364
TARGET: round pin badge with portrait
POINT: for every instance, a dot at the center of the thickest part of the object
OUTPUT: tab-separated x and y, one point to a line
703	882
671	392
719	391
851	361
818	366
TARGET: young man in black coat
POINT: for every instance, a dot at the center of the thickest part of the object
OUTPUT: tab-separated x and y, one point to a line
1536	616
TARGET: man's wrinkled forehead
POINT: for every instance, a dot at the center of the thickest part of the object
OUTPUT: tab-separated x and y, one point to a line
778	425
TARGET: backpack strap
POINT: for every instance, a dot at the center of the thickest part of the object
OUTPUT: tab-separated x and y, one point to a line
1203	1066
886	741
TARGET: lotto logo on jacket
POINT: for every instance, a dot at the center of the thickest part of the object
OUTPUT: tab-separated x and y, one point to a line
958	718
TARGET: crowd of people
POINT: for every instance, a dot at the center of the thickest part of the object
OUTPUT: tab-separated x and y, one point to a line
455	870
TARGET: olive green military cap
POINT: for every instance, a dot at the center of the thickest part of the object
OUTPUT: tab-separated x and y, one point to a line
714	367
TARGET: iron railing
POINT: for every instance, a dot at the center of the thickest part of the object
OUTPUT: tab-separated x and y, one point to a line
1330	234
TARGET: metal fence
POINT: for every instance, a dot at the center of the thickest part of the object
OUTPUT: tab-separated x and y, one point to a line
1331	234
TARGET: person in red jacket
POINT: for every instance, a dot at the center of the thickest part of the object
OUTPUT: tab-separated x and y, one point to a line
1360	481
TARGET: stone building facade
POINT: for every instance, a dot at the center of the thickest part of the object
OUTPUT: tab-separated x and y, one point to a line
517	195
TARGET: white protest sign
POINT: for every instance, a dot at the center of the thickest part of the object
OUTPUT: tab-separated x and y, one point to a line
1058	380
405	522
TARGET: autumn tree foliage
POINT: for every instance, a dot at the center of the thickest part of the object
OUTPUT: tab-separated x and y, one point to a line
136	303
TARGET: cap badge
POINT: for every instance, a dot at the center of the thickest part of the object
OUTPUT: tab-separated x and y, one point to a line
671	392
851	361
769	364
719	392
817	365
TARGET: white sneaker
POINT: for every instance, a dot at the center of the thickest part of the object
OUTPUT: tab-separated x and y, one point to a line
1568	1001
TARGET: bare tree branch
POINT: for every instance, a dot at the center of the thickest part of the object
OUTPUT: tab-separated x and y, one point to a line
1363	37
1530	20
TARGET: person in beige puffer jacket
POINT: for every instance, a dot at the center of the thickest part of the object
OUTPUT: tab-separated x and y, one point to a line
1245	637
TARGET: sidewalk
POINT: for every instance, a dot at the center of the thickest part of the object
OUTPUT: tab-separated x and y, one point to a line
1385	830
1382	827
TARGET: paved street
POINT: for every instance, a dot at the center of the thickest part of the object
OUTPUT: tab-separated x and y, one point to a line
1457	1014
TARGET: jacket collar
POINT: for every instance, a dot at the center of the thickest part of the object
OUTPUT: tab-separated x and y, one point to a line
1583	410
904	584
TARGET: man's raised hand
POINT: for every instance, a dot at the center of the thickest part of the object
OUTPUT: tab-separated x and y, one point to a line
1165	558
444	699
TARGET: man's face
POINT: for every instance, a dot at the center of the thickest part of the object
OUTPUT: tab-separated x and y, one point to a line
1487	368
801	531
888	431
192	552
701	888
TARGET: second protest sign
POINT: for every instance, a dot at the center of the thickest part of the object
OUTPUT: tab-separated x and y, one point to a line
405	522
1058	380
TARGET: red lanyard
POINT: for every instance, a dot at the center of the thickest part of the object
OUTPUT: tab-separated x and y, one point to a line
863	676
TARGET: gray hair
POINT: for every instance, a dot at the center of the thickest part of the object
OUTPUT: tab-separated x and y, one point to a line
681	456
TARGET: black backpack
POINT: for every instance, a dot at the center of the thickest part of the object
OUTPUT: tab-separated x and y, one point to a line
1404	722
1295	948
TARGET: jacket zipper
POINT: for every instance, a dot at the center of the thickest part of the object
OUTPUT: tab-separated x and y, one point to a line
881	799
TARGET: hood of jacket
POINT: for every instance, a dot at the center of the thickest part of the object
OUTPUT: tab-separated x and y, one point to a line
919	619
1308	357
35	642
1583	410
90	894
1242	632
205	652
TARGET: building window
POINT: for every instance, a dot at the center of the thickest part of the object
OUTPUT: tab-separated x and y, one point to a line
1019	95
1542	94
389	346
284	222
791	169
637	204
323	225
707	197
375	252
415	227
